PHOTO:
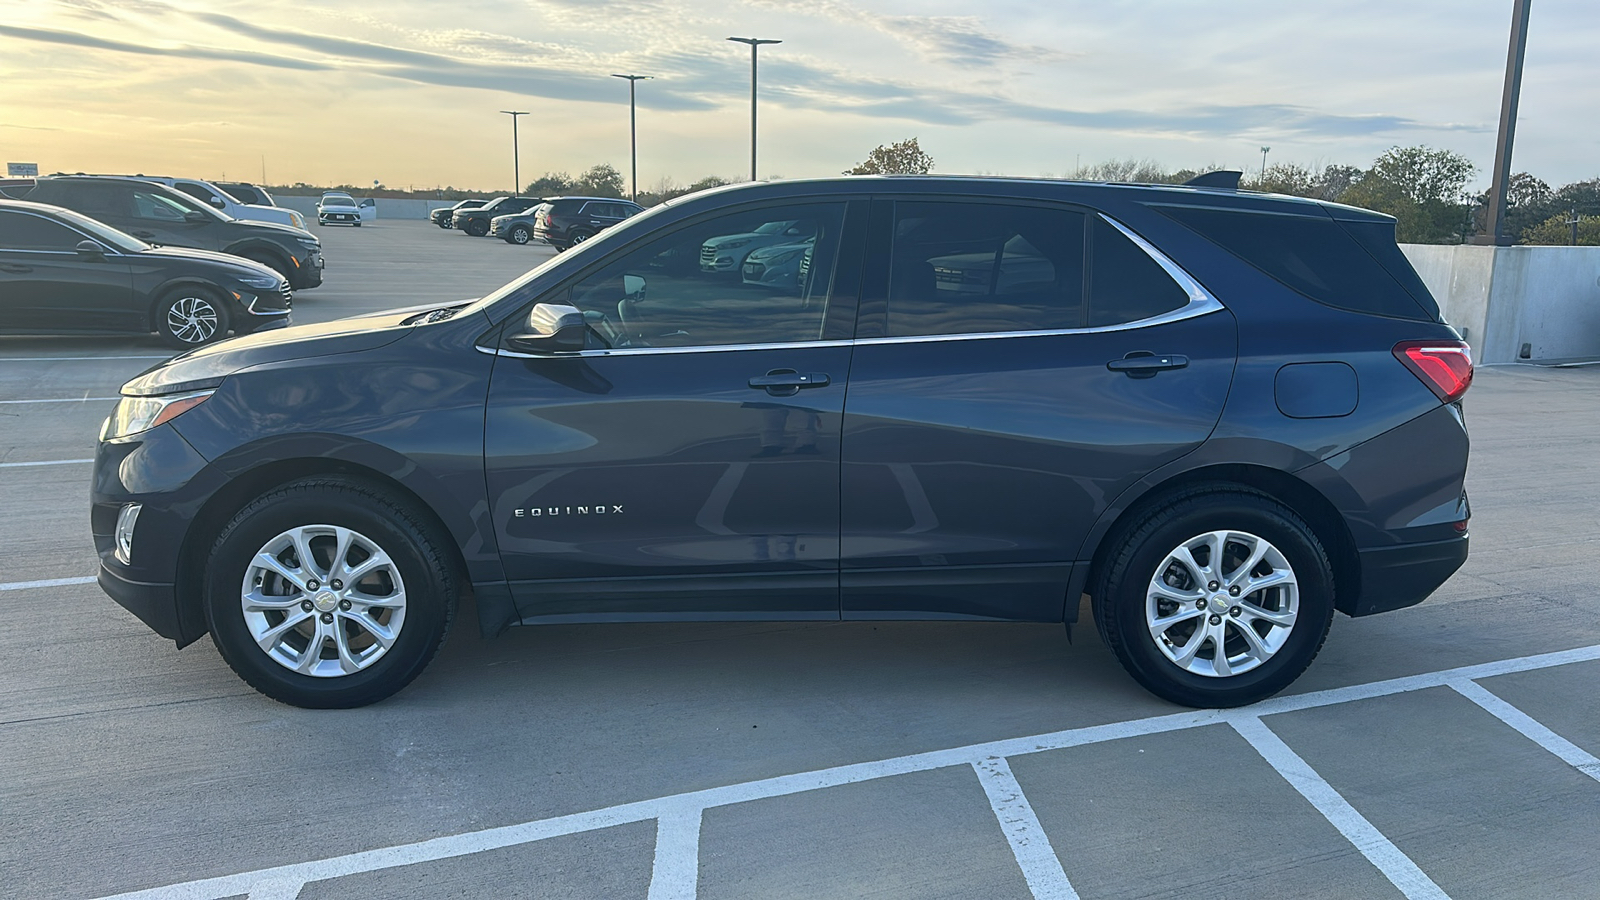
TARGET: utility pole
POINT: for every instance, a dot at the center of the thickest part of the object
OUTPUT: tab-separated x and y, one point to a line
633	131
516	158
1264	151
754	43
1508	127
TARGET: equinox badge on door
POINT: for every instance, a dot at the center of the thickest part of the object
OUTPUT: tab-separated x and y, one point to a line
536	511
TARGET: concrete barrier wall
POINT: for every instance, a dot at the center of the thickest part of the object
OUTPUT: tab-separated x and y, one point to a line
387	209
1536	304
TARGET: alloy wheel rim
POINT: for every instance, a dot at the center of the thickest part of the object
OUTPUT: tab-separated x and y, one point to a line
1222	603
192	320
520	235
323	600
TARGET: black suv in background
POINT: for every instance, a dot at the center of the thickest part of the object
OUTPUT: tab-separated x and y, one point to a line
160	215
1221	415
564	222
475	221
62	272
444	216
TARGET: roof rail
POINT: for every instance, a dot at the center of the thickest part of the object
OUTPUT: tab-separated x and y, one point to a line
1226	179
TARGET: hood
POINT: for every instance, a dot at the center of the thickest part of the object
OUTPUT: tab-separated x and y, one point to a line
750	237
780	249
206	366
237	263
273	229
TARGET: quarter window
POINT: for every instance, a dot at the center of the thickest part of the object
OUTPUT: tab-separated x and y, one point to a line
728	280
20	231
972	268
1126	285
149	205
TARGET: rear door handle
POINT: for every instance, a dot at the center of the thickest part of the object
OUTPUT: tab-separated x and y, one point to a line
788	382
1144	364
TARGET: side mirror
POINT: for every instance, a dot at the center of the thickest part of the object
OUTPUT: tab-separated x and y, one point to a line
633	287
552	328
91	250
196	217
217	202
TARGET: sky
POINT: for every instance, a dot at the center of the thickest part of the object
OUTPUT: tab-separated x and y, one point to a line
408	92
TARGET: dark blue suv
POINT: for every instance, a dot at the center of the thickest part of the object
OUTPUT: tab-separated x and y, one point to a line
1220	415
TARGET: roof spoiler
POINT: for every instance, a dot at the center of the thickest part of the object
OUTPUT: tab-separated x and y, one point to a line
1225	179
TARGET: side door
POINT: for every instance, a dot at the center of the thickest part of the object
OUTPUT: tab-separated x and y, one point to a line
1017	367
686	464
47	285
368	209
160	218
604	215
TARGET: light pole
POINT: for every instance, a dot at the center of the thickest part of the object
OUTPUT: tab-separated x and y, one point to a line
1264	151
516	159
754	43
1508	126
633	130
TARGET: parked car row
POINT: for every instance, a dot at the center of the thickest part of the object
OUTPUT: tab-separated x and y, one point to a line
113	253
561	222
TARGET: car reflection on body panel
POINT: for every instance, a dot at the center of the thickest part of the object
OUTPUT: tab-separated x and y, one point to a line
972	273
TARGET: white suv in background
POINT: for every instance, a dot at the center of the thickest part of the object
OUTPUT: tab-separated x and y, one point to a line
224	202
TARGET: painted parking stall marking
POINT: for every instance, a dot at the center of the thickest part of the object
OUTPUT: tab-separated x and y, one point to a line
675	872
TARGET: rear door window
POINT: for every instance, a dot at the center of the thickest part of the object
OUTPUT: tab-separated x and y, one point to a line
1126	285
1350	265
22	231
967	267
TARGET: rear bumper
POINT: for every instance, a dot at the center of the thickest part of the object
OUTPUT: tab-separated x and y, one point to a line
1401	576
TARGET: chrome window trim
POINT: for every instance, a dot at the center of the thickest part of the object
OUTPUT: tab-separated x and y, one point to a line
1201	303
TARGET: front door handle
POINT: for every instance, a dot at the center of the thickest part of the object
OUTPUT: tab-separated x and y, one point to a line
788	382
1144	364
15	269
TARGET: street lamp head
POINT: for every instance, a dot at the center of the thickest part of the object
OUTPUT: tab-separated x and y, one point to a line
513	112
634	77
754	42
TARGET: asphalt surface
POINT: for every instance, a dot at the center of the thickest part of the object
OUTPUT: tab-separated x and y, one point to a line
893	760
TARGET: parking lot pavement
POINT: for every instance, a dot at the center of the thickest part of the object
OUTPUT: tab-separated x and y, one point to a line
1445	750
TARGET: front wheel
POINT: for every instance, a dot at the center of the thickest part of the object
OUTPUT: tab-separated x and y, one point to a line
328	594
477	228
1220	598
189	317
519	235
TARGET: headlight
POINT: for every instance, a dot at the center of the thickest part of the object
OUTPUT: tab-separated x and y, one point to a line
298	220
310	243
136	414
782	258
731	245
260	282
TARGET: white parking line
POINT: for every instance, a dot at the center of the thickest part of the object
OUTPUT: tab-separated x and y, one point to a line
675	874
46	462
1040	865
1569	753
47	583
64	400
784	785
1379	850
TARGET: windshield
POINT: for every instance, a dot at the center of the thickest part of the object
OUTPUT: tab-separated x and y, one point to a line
186	203
338	201
619	232
102	232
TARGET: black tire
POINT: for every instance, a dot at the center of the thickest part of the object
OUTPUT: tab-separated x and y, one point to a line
191	316
399	529
1126	576
271	261
477	228
443	224
519	235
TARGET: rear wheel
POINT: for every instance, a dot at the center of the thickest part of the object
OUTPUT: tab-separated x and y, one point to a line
579	237
1220	598
191	316
328	593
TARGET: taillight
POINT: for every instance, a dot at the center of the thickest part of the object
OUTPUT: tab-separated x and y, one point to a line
1444	366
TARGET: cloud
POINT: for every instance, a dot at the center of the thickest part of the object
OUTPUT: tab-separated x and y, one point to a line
77	39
